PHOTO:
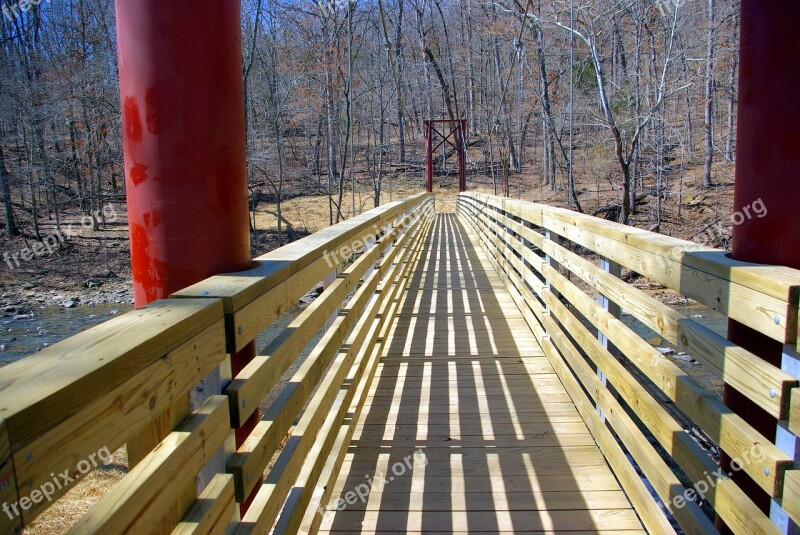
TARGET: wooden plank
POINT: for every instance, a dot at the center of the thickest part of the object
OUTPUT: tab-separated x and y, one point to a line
794	412
708	276
254	316
45	389
277	266
361	371
777	281
475	500
364	460
265	439
473	429
258	377
112	419
10	520
490	381
791	495
728	430
482	521
564	482
331	468
324	414
214	510
764	384
511	466
648	510
552	398
549	473
691	518
389	305
736	508
130	506
502	421
510	365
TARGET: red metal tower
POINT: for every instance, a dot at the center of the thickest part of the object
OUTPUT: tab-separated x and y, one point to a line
456	138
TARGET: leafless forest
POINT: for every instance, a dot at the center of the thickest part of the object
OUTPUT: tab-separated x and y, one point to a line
628	94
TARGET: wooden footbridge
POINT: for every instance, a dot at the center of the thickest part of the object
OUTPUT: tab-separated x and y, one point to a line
468	372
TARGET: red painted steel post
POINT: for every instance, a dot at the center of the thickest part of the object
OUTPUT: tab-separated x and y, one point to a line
184	142
428	157
180	77
766	215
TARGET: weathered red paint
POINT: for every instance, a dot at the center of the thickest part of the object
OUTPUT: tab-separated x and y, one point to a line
184	141
768	133
767	168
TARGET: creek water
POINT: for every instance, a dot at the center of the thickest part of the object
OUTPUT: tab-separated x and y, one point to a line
22	335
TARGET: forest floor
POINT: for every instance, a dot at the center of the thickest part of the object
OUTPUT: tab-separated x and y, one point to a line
91	267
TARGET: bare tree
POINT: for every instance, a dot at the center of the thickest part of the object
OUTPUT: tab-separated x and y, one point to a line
626	134
5	189
709	102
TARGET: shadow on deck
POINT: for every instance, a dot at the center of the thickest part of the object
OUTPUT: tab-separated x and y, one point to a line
499	445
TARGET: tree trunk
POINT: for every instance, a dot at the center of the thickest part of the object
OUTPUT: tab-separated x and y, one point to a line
398	51
512	153
5	189
709	98
729	147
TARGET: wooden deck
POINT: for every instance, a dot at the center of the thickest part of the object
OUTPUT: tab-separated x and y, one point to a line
500	447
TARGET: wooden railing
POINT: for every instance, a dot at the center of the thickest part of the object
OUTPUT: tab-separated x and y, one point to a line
115	383
136	376
563	268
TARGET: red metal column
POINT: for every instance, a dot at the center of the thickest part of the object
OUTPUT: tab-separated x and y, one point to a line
767	167
428	157
180	70
184	141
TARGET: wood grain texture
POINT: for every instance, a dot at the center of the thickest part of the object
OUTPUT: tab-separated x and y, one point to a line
113	419
794	412
214	511
149	491
487	434
791	495
47	388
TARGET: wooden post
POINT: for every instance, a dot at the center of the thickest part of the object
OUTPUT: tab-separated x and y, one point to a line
767	189
549	261
613	268
182	102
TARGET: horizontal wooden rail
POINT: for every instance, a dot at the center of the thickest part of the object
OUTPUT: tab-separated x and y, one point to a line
99	390
536	248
